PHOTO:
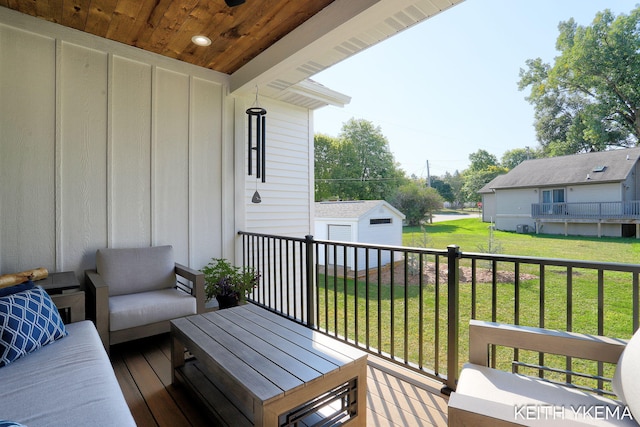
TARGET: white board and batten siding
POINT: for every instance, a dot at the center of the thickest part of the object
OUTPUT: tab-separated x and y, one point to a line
103	145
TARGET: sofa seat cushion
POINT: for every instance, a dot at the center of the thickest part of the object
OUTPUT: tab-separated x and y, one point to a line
131	270
524	400
69	382
130	311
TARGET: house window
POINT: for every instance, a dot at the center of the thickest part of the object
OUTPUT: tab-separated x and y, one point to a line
376	221
553	196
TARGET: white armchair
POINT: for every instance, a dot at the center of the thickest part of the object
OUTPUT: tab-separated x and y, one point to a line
134	292
489	397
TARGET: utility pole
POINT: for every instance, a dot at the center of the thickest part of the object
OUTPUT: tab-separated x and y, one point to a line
428	175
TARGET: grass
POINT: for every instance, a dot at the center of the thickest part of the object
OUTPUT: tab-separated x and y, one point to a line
421	312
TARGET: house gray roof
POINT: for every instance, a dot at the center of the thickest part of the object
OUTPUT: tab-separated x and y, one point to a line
350	208
586	168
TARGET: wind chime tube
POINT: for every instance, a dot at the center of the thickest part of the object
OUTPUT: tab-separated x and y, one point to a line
257	147
249	145
263	146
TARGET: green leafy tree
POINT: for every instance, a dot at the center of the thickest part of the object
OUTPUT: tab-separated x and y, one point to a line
512	158
456	182
357	165
482	160
482	169
589	99
417	201
443	188
326	159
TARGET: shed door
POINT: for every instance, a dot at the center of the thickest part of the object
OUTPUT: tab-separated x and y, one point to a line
341	233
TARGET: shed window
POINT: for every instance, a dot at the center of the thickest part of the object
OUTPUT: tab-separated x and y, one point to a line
376	221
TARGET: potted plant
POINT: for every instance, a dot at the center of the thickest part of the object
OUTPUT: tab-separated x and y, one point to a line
229	284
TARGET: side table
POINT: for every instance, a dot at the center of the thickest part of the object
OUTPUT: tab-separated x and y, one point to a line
65	292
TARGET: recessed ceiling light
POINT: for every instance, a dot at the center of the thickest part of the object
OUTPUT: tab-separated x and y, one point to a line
201	40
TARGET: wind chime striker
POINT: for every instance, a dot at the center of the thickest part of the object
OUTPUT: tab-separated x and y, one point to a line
256	143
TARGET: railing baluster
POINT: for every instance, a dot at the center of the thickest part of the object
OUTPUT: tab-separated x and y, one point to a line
406	306
569	309
453	303
421	310
345	291
367	296
392	315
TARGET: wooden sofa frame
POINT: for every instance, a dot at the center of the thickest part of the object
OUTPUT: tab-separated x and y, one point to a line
483	334
98	297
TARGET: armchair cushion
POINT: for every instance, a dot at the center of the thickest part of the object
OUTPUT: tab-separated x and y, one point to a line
130	311
133	270
625	382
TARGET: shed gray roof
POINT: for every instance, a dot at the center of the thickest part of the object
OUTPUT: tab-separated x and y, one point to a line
575	169
350	208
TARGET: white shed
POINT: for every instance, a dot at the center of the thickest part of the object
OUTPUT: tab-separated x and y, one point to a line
361	221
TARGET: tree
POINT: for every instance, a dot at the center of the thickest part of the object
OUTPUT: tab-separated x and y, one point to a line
483	168
455	181
512	158
589	99
416	201
482	160
357	165
443	188
326	156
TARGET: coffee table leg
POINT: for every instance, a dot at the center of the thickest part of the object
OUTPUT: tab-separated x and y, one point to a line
177	356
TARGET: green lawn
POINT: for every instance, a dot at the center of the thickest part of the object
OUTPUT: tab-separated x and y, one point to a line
425	311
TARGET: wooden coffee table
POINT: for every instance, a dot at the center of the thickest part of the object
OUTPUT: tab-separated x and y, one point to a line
253	367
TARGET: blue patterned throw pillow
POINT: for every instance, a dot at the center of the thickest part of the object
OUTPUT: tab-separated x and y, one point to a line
15	289
28	321
4	423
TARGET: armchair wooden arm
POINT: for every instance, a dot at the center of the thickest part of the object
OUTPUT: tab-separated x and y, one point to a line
592	347
98	296
197	278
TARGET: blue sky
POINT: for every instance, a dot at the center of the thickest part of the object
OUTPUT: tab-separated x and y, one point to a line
448	86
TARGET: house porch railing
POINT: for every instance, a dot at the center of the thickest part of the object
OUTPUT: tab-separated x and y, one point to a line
414	310
629	210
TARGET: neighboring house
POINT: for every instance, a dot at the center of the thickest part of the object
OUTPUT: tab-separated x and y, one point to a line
103	144
591	194
361	221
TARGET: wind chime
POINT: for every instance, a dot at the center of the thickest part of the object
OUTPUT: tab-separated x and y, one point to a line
256	115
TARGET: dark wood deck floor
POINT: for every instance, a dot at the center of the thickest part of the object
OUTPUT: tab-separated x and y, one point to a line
396	396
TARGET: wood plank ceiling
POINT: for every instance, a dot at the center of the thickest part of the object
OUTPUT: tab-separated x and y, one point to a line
238	34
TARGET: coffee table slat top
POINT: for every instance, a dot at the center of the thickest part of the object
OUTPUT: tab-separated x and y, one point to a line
341	353
224	359
267	353
316	360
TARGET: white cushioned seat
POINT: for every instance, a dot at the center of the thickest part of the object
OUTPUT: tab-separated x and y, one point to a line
132	310
506	396
69	382
626	380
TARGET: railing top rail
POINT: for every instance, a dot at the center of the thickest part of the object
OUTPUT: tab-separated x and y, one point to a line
560	262
382	247
271	236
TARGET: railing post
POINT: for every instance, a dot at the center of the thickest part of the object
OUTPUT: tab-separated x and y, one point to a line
453	308
310	268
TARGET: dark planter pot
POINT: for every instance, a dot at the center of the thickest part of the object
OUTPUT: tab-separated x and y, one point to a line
227	301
